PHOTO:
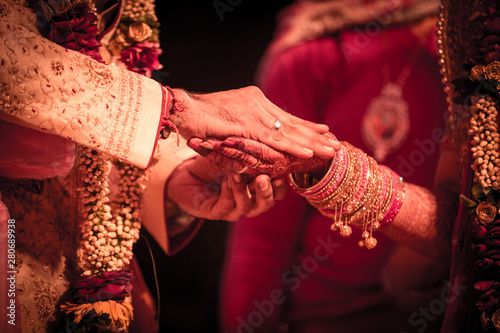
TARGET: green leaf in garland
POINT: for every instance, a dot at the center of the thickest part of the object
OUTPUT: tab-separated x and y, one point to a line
471	204
487	191
104	319
493	197
478	192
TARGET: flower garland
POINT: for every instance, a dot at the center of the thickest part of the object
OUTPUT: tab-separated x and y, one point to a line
136	41
482	82
108	235
108	232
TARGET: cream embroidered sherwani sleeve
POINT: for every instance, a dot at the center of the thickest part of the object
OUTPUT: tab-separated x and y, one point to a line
58	91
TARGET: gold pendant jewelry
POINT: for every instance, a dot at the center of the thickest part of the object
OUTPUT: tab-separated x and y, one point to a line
386	123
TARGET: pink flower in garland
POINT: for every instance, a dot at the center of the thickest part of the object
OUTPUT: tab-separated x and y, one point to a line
489	261
487	244
490	49
114	285
490	296
489	45
480	232
78	33
493	26
142	58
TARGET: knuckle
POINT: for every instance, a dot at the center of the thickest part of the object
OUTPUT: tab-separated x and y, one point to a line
254	90
224	213
244	211
247	211
278	136
290	128
291	120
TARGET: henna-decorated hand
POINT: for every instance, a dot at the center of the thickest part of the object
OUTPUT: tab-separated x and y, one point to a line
253	158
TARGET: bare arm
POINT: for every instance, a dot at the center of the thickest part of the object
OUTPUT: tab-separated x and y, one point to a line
426	219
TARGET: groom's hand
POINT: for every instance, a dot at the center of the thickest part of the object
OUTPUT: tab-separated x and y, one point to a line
247	113
203	190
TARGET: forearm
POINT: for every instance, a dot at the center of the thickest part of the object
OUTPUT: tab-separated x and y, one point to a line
356	191
425	220
427	217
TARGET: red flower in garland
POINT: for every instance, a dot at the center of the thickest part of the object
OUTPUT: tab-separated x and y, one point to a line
77	33
481	232
490	294
489	45
114	285
493	26
142	58
487	245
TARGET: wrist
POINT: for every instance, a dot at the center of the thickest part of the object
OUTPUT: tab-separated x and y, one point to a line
355	190
174	113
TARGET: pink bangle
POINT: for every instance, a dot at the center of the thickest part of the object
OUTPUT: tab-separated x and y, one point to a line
356	190
397	200
337	174
337	168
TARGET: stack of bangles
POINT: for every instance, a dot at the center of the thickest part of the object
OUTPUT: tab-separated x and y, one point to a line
355	190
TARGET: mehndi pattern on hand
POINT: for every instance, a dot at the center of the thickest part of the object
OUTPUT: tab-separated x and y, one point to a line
252	158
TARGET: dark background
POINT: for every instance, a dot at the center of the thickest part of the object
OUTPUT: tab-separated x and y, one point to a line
203	53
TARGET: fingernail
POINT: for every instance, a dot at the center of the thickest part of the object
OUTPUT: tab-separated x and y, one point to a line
237	178
328	148
228	143
308	150
193	145
335	143
206	145
264	184
278	182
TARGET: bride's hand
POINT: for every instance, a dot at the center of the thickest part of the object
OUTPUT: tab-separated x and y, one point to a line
204	190
252	158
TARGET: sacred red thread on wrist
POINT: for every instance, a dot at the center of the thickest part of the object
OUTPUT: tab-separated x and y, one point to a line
167	125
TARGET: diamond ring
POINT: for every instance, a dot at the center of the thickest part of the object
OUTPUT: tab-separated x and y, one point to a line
277	125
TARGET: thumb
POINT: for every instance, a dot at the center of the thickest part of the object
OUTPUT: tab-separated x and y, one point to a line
199	146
